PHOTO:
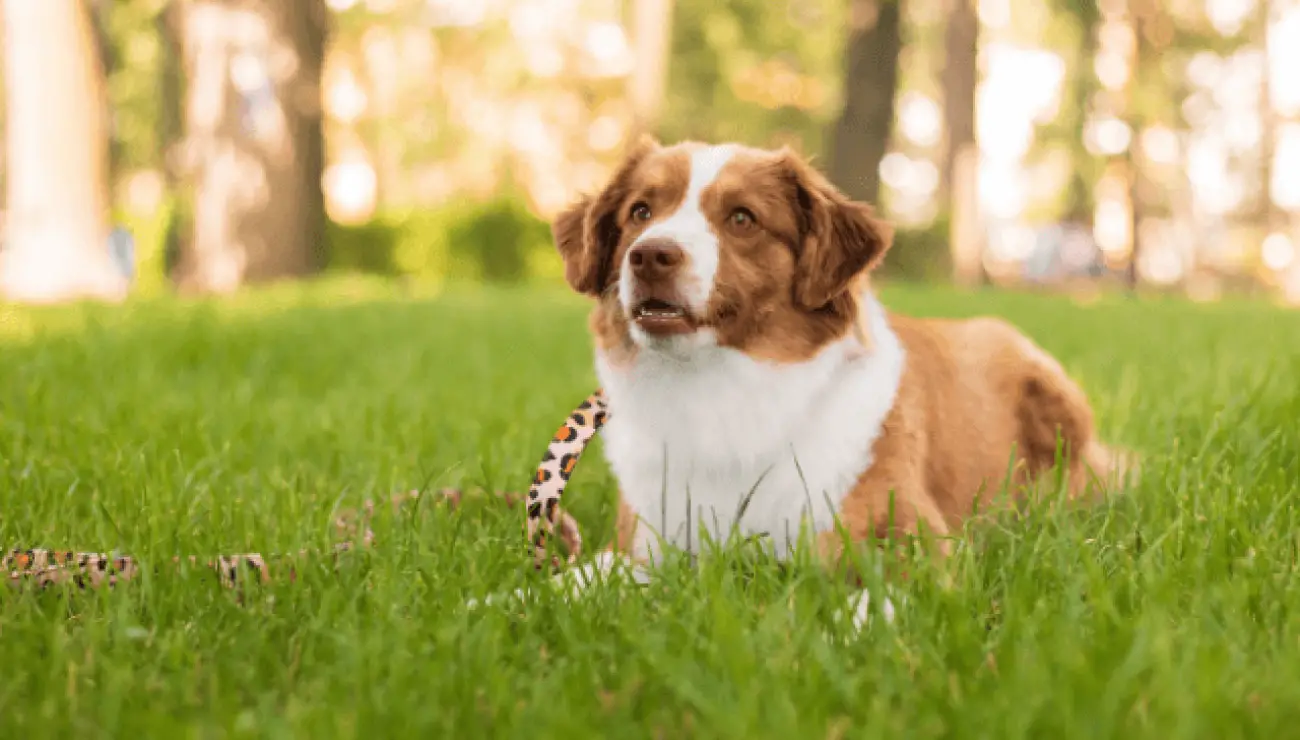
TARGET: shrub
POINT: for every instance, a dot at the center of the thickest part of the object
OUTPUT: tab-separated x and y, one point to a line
920	255
490	241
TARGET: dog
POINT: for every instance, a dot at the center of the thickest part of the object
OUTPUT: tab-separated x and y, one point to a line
756	386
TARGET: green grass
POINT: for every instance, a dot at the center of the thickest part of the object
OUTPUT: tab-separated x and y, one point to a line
199	427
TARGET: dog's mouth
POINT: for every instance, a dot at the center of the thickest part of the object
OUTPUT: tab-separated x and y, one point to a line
659	317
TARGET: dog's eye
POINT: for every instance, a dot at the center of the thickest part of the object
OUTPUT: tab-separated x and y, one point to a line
640	212
742	218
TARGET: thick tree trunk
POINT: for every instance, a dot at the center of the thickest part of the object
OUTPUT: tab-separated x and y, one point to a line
652	27
961	46
861	136
169	24
254	149
961	155
56	236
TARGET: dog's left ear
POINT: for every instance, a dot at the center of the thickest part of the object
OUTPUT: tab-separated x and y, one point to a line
587	232
840	238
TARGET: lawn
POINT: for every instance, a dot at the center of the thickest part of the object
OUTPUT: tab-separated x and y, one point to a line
171	426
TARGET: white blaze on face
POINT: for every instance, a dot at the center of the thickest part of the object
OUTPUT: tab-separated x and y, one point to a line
690	229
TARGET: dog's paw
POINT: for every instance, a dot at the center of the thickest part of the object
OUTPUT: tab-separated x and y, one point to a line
605	567
519	595
860	613
573	583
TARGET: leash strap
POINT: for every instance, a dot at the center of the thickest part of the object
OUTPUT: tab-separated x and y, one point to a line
44	567
553	474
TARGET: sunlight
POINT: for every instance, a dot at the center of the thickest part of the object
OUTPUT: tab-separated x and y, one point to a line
1277	252
350	186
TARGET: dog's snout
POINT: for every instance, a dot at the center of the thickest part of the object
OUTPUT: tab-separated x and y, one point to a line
656	259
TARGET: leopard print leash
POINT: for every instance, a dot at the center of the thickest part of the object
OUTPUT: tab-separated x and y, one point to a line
553	475
544	519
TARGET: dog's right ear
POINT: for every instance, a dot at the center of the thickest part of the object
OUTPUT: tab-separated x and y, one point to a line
588	231
569	231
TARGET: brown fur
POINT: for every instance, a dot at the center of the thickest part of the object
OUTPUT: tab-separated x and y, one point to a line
973	392
782	289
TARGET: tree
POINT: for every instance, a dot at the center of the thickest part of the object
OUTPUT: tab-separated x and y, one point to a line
253	151
56	237
756	72
652	40
1270	216
961	155
1084	168
861	136
961	45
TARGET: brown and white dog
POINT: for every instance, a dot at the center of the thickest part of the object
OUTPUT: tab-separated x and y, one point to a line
746	359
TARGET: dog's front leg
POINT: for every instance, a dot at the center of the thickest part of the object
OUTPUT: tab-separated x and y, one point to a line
858	608
574	582
626	556
892	505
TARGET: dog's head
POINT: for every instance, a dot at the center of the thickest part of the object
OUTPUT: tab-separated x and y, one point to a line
691	246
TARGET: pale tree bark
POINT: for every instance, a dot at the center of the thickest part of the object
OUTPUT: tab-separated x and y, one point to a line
861	136
1272	217
56	231
652	26
959	76
961	155
253	149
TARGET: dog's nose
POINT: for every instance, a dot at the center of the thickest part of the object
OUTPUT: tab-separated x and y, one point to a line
655	259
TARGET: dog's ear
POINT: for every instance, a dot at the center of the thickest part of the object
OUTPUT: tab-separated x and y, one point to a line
569	232
588	231
839	238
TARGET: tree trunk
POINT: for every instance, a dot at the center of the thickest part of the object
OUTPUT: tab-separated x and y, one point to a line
961	46
1079	201
1131	159
169	25
652	43
1272	217
254	149
861	136
56	238
965	228
959	184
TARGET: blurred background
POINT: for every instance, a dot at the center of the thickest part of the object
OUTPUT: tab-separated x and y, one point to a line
198	146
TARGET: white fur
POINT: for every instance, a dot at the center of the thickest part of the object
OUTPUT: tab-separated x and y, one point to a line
604	566
860	605
695	428
608	566
690	228
706	427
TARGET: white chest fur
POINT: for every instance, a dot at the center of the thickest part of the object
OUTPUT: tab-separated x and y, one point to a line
691	436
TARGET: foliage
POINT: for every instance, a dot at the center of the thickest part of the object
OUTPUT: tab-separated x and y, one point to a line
919	254
766	72
245	424
150	234
494	240
727	54
134	57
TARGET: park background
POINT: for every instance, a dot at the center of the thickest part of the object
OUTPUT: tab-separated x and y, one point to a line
313	236
202	145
